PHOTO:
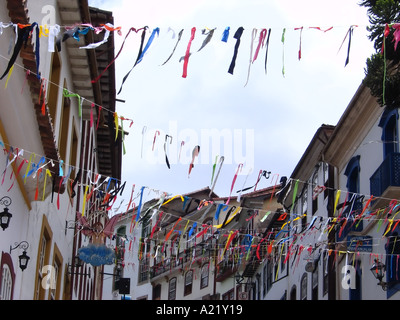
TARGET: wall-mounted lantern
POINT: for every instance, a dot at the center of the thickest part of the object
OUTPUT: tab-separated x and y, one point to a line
378	269
23	258
5	216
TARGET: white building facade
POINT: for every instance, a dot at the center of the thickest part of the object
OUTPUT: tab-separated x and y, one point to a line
45	135
364	152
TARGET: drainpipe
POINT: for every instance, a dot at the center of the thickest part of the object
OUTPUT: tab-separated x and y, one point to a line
331	236
215	273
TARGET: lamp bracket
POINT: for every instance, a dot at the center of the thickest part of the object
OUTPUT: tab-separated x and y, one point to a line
5	201
23	244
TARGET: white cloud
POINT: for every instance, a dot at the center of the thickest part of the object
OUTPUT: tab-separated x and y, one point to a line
284	112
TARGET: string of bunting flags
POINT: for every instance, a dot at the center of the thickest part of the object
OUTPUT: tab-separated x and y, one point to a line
40	170
232	249
238	252
55	37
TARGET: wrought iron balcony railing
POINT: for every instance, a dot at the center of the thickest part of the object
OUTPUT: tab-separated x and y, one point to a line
202	250
387	175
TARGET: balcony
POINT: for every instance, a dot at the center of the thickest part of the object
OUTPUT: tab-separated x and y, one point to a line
202	250
226	269
385	182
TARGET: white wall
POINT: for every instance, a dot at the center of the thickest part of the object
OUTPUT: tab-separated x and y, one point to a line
371	157
19	120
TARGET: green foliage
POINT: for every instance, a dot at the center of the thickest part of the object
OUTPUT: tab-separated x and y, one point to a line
375	74
379	80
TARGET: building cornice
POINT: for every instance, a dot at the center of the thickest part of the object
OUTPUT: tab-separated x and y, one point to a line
18	13
357	120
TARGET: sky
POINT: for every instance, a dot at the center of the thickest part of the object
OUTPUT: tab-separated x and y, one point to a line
256	119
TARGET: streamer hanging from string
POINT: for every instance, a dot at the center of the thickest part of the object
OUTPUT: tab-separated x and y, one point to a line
283	51
180	150
115	58
177	42
219	208
187	55
67	94
137	59
237	36
155	32
348	34
294	194
22	36
261	41
195	154
253	36
143	133
98	44
165	149
209	34
157	133
266	50
244	183
213	171
221	161
239	168
225	34
385	35
140	204
396	34
262	173
301	32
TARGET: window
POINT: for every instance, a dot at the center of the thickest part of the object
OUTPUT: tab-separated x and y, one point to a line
325	262
315	198
392	269
389	123
207	224
144	260
157	292
175	246
6	283
354	204
172	289
303	212
43	258
7	276
269	274
204	276
57	266
293	293
188	282
304	201
326	180
74	150
53	292
229	295
353	175
191	239
64	127
303	288
144	269
258	284
283	250
314	292
265	278
119	254
120	239
53	86
355	294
